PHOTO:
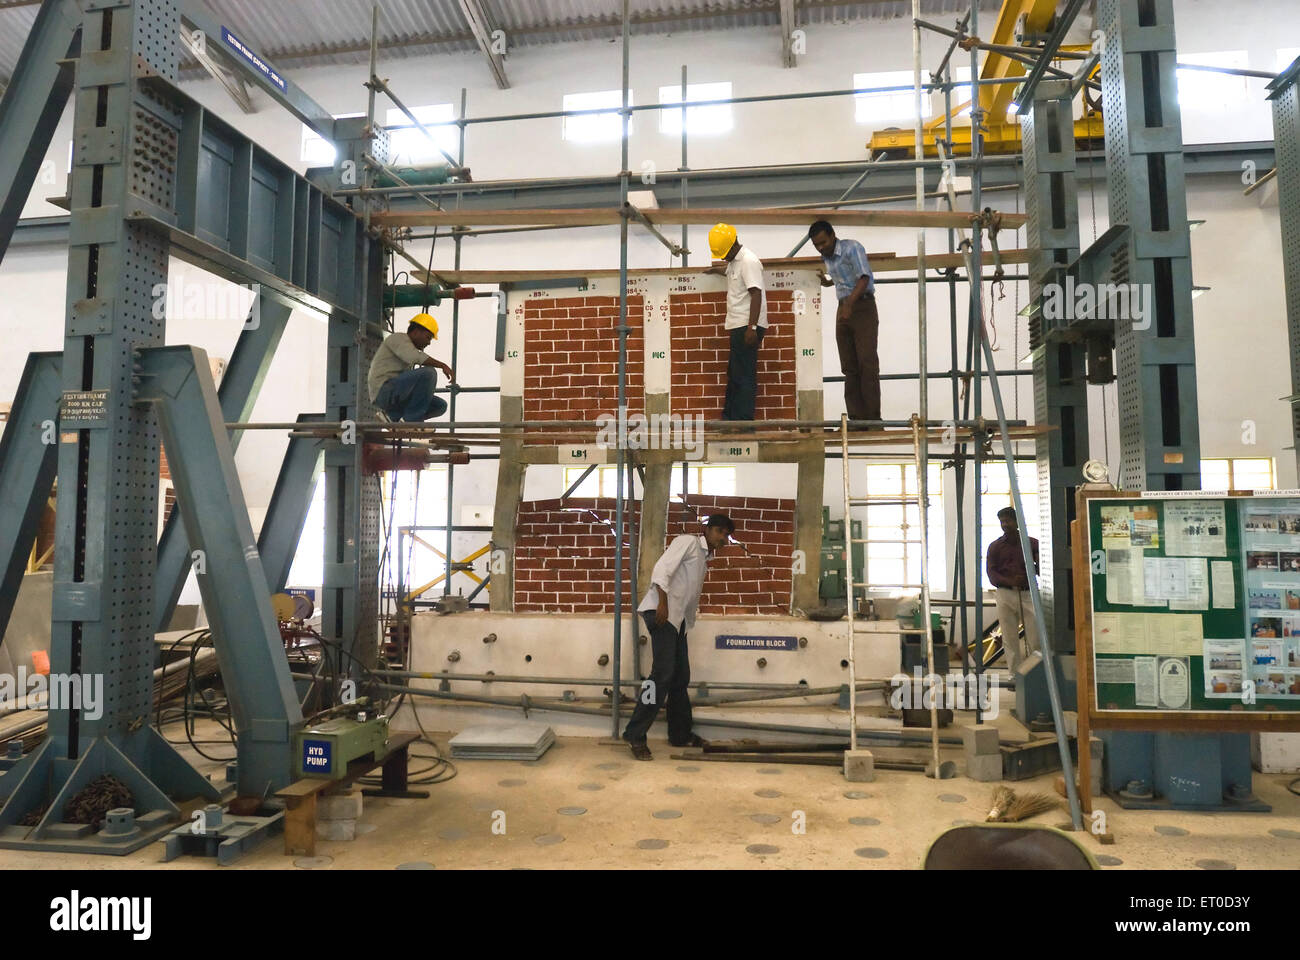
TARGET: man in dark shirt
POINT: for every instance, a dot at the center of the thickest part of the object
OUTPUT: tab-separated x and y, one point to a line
1006	568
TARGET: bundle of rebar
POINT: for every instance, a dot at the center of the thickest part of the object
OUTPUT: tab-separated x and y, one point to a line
28	722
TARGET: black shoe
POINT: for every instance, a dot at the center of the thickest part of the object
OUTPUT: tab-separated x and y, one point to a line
695	741
640	751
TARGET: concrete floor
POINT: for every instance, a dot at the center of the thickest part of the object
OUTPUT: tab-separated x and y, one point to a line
677	814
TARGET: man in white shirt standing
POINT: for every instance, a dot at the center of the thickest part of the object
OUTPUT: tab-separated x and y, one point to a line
746	320
669	609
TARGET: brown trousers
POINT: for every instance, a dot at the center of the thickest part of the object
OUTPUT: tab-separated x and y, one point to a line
856	339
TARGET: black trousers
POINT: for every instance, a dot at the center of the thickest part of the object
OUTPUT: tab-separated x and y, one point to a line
742	376
670	675
856	339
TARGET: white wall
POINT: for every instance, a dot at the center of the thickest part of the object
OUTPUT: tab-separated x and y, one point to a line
1235	253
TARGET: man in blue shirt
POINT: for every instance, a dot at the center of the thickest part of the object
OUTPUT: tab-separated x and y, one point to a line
857	325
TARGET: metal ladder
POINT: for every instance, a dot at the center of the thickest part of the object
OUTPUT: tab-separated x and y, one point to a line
921	500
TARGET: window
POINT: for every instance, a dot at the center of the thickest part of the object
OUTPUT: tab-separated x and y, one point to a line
1238	473
407	145
308	567
961	94
425	505
418	498
1212	91
594	127
316	150
712	479
886	107
893	550
711	119
997	495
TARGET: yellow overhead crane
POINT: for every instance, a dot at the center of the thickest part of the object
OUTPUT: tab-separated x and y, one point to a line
1001	133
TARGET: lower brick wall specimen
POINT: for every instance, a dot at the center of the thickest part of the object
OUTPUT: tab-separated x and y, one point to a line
564	555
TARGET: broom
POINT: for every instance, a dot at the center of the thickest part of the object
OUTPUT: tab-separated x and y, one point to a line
1009	807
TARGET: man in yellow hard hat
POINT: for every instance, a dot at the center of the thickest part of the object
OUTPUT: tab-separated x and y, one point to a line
402	379
746	319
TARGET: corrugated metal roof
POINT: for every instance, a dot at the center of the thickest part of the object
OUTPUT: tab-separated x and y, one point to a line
15	25
302	33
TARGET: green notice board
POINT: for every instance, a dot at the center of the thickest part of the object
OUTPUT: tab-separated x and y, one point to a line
1195	603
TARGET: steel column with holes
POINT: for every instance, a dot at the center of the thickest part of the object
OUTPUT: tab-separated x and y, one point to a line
125	138
1149	245
155	174
1285	95
1060	390
1155	353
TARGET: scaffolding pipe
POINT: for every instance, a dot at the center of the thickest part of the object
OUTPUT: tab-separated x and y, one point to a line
974	330
622	390
921	437
671	176
733	425
686	253
527	703
453	389
606	681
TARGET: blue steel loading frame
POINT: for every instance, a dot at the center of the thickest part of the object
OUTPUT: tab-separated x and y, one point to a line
343	357
155	173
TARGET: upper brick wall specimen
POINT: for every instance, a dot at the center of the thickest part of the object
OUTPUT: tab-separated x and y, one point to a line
564	555
700	348
571	358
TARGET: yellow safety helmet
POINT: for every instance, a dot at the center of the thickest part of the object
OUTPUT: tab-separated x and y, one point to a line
426	321
721	238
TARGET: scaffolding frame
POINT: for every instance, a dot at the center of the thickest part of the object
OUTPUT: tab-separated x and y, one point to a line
919	163
955	375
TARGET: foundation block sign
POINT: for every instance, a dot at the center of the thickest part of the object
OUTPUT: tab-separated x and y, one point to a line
732	642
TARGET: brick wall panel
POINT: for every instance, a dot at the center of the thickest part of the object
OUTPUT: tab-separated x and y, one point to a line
564	559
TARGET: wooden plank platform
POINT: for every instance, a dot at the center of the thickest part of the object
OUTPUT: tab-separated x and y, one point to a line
599	216
880	263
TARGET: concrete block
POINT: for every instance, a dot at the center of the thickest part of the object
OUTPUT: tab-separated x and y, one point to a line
980	740
336	829
1275	752
1071	719
339	806
859	766
984	768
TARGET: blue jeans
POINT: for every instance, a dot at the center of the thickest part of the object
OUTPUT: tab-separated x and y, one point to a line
409	396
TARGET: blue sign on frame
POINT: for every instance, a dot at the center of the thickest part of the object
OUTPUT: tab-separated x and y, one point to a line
256	62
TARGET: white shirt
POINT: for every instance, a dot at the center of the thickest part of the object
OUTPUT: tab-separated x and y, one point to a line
680	571
744	270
